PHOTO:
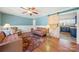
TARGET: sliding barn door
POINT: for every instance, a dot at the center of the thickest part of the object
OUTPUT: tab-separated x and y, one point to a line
77	27
53	22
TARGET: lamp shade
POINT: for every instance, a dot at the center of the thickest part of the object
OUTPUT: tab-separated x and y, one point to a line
48	26
7	26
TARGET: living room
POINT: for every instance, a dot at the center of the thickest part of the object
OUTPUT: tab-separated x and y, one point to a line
36	29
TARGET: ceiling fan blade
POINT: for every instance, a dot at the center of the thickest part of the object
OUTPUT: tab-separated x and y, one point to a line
24	12
23	8
35	12
33	8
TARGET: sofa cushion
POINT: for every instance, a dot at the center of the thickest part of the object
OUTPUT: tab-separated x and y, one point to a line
2	36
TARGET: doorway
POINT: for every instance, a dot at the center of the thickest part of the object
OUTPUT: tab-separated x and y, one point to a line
68	30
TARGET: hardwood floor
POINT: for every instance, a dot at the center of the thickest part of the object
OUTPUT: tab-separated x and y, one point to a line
58	45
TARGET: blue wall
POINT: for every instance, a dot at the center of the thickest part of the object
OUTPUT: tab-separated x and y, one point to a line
0	18
15	20
42	21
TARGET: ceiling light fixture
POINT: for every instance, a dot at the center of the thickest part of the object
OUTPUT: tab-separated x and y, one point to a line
31	10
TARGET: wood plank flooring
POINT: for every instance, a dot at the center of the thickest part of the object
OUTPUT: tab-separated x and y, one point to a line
58	45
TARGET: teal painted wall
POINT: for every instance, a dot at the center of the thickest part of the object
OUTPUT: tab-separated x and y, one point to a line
15	20
0	18
42	21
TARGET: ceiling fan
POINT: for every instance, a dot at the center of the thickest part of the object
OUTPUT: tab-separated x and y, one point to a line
30	11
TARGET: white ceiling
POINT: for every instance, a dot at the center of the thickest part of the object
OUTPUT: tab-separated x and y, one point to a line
42	11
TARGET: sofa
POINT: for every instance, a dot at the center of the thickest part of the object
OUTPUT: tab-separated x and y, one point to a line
11	43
